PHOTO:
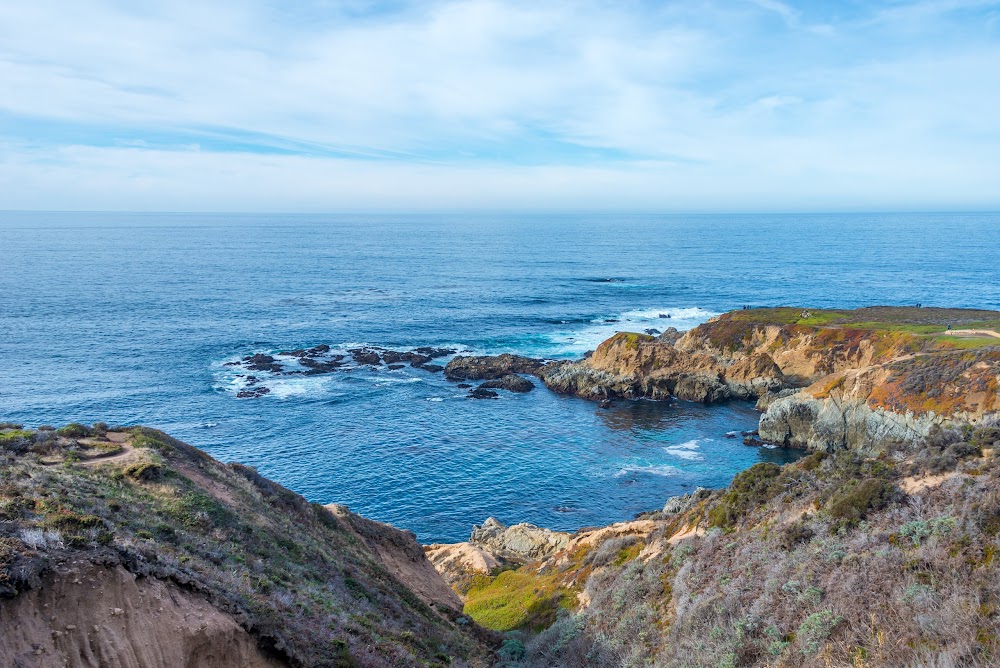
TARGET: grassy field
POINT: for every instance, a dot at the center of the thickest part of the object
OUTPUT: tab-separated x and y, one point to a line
928	323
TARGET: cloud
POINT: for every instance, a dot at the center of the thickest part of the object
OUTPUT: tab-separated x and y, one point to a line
367	105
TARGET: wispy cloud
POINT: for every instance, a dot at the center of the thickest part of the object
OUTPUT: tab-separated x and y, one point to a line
758	104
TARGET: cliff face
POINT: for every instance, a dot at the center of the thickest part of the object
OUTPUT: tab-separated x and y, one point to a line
635	365
90	615
130	548
864	378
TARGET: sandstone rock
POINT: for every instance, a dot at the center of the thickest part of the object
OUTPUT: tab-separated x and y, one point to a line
459	562
520	543
511	383
670	336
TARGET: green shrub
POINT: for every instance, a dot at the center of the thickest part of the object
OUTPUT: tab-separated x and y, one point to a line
985	437
795	533
812	462
143	470
74	430
749	490
18	440
512	649
852	502
918	530
815	631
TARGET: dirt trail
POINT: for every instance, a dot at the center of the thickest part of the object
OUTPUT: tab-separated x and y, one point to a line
126	453
972	332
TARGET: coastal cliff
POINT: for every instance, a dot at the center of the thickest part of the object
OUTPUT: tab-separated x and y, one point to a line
824	379
130	548
837	559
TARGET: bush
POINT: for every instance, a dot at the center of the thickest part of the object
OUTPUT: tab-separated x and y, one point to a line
512	650
852	502
815	630
749	490
795	533
985	437
143	470
920	529
17	441
74	430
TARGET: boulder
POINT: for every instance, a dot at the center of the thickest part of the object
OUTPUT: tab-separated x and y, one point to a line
511	382
669	335
433	368
480	393
488	367
261	362
683	503
365	356
520	543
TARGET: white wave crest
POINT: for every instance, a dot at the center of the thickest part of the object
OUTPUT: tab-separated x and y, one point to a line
685	450
652	469
566	343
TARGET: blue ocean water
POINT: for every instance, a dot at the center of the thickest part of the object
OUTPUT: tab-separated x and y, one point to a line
130	318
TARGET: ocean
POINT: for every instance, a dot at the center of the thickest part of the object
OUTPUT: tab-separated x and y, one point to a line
132	319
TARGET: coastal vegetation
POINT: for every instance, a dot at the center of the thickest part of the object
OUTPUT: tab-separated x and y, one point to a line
836	559
310	585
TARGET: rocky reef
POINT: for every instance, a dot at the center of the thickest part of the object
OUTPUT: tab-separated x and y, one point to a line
823	379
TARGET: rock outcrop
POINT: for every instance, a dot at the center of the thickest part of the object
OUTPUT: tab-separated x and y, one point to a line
632	365
825	379
511	382
491	546
519	543
490	367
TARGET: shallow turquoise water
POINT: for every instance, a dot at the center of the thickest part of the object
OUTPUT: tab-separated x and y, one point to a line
130	318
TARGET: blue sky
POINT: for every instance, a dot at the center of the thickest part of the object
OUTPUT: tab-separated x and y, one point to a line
262	105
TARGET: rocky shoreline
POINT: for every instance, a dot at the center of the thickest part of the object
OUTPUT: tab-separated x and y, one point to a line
823	380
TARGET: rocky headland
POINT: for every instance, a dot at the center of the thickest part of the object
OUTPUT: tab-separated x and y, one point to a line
823	379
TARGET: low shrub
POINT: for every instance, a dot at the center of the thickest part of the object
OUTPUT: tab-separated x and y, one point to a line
795	533
17	441
749	490
815	631
74	430
852	502
144	470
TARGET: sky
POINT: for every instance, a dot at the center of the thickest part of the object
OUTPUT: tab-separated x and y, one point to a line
613	105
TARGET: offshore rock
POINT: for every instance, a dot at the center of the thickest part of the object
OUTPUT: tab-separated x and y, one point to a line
480	393
488	367
511	383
